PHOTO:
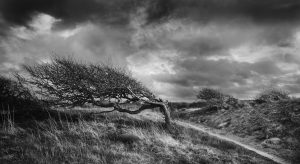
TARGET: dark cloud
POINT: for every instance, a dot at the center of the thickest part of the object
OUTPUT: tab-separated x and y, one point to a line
200	45
3	27
287	58
201	72
266	68
215	38
273	10
260	11
227	75
70	12
18	12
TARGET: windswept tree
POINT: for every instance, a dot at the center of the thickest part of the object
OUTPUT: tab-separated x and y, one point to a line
66	82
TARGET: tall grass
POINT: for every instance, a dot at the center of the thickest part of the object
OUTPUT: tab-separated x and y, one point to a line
7	119
112	138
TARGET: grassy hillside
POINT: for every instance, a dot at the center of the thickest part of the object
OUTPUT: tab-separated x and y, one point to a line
271	126
111	138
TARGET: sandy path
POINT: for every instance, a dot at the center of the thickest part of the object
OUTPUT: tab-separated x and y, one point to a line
221	137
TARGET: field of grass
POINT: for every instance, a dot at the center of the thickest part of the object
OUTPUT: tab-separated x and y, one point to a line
112	138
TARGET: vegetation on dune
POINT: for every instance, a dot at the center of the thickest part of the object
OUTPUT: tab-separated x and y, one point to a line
115	138
209	94
56	136
272	95
272	118
14	95
217	99
66	82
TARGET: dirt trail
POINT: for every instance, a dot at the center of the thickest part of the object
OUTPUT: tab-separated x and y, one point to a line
221	137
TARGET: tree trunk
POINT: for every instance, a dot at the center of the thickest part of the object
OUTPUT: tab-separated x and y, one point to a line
165	111
147	105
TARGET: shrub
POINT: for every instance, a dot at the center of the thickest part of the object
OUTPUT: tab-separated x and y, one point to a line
212	96
272	95
209	94
216	98
14	95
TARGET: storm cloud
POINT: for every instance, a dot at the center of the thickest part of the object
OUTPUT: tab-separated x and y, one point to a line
118	11
175	47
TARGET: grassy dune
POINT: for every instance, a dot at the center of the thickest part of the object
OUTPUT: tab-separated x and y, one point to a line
113	138
255	124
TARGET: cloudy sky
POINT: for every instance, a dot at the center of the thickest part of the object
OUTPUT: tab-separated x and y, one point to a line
175	47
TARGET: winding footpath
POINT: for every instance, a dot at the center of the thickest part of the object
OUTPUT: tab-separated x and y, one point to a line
224	138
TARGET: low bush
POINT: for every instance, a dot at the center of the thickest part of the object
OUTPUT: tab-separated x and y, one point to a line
272	95
218	99
15	96
209	94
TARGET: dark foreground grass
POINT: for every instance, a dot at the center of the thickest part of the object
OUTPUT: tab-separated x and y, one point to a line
113	138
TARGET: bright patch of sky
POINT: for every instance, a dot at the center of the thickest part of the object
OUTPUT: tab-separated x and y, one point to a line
42	24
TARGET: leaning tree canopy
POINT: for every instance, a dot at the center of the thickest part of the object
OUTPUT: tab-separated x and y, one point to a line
66	81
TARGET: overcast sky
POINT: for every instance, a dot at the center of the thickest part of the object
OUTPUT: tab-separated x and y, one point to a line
175	47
